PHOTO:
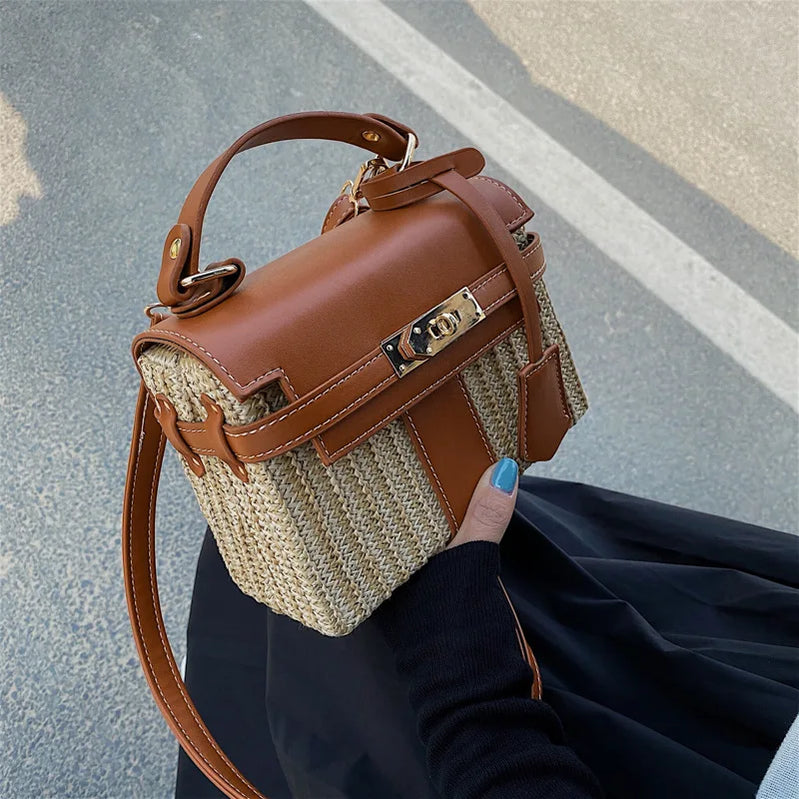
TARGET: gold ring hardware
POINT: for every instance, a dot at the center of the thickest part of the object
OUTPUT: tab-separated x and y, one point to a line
148	309
430	333
208	274
174	249
371	135
445	324
368	169
410	149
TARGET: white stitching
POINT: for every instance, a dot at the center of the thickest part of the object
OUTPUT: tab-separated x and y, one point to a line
538	368
291	386
538	272
500	299
513	290
477	422
371	390
317	397
142	637
516	199
346	377
533	277
309	433
432	469
523	419
216	360
332	208
503	269
413	399
159	627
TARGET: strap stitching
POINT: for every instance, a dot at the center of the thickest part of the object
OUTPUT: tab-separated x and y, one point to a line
205	197
394	412
533	371
332	208
346	377
507	191
443	493
507	294
317	397
302	435
477	421
142	637
309	433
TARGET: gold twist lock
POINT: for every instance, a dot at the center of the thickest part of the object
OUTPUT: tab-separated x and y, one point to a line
430	333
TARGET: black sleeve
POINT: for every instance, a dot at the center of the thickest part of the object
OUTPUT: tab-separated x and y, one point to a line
453	636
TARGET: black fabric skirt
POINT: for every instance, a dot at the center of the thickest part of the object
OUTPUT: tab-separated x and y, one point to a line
668	642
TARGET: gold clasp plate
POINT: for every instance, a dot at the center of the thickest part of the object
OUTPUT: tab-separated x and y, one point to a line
432	332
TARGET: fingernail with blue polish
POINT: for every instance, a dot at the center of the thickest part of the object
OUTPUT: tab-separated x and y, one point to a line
504	475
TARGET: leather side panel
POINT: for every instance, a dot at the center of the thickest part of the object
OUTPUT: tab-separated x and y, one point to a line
452	446
544	416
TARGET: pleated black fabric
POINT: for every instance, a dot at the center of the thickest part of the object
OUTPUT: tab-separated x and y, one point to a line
668	642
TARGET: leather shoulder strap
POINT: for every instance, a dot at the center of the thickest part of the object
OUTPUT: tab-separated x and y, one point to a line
149	633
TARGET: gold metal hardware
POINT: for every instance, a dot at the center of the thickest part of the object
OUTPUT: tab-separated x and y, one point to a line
148	309
445	324
410	149
368	169
371	135
208	274
174	249
432	331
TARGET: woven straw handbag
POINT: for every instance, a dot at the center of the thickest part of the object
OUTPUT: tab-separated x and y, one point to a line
334	410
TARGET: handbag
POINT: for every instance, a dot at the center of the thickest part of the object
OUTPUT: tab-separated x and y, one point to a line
334	410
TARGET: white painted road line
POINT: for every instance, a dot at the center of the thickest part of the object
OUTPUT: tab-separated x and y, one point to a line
719	308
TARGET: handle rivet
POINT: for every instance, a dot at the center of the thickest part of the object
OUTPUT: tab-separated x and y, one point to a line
174	249
371	135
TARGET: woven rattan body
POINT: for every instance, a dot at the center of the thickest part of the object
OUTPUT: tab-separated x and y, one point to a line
326	545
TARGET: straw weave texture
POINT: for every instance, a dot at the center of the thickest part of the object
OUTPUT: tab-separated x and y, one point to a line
327	545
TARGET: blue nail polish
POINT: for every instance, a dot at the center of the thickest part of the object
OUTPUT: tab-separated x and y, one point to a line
504	475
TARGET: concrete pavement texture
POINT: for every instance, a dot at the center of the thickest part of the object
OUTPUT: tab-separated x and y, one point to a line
109	113
675	79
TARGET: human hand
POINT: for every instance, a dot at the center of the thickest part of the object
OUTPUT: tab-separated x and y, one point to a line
491	506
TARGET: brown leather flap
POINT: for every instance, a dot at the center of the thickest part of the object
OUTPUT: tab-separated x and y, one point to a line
313	312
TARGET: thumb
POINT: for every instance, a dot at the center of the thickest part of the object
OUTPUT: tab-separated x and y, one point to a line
491	506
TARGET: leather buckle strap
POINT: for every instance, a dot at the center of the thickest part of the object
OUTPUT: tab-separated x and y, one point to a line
395	189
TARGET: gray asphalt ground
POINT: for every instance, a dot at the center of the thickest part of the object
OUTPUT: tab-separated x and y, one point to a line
125	104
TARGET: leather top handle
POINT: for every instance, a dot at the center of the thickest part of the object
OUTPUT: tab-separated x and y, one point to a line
180	261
